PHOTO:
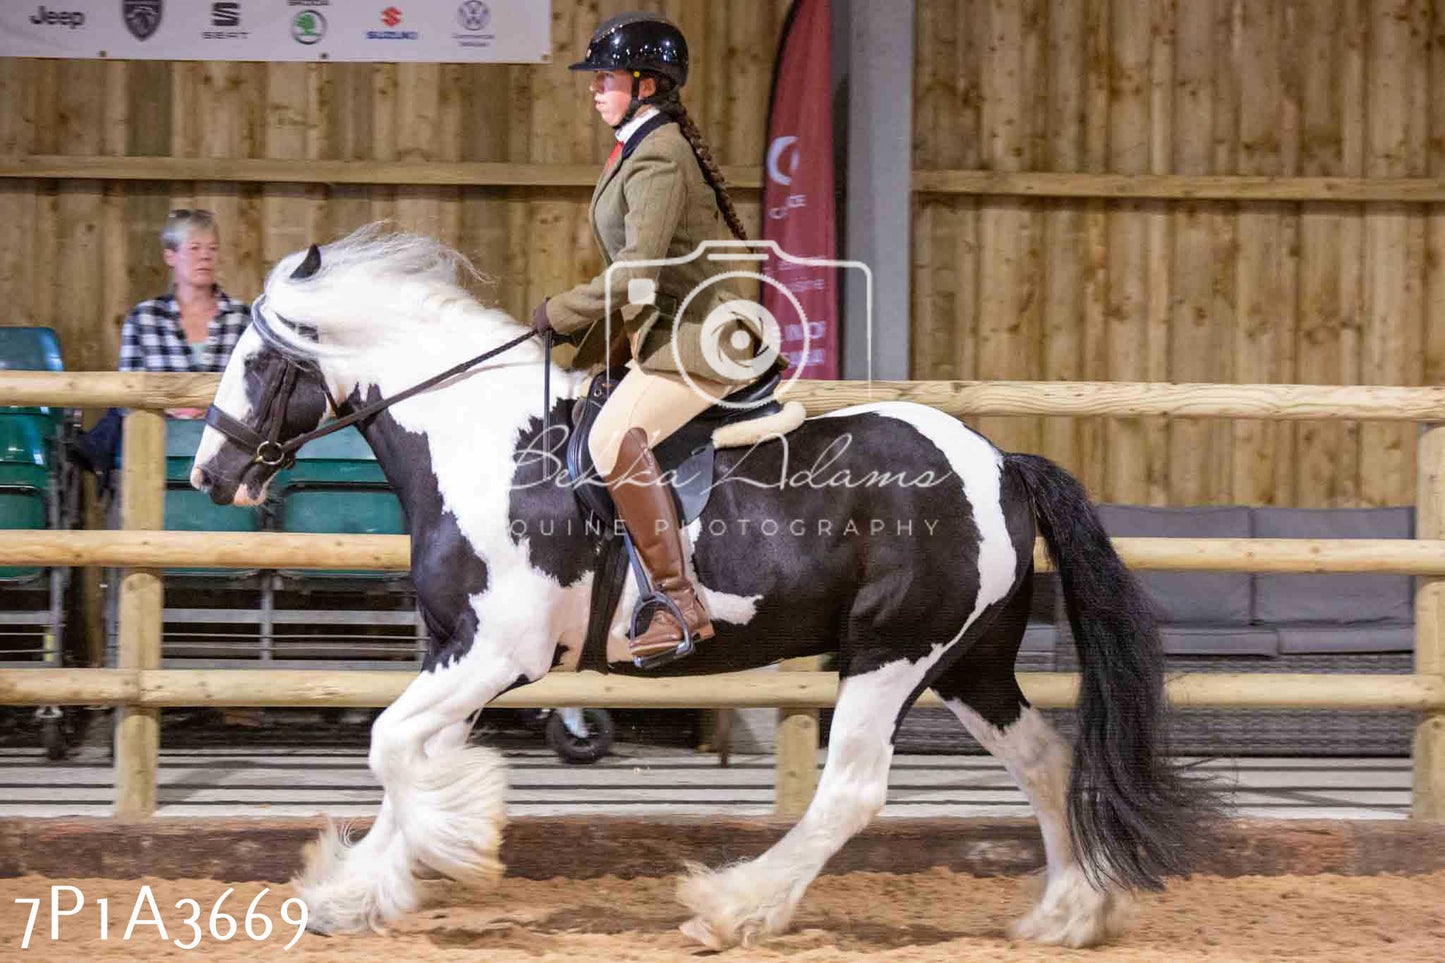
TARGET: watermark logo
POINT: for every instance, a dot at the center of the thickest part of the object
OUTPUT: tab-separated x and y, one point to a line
733	324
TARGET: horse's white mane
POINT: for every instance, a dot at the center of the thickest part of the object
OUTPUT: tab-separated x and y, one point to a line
375	286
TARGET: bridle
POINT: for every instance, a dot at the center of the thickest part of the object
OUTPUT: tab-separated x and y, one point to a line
268	449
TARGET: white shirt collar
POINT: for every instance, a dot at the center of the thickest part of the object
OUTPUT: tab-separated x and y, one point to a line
625	132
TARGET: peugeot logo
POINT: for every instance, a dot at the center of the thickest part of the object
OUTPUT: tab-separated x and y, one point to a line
142	17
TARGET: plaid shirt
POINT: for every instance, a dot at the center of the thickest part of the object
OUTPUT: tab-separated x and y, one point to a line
152	338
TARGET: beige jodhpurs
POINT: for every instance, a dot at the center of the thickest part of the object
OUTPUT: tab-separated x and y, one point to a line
657	402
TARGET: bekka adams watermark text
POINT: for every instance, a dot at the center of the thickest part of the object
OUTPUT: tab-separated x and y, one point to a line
825	472
746	527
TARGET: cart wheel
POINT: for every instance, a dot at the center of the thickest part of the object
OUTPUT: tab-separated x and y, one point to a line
581	750
53	738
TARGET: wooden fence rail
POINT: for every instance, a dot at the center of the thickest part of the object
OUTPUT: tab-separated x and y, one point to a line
757	688
1123	399
392	553
985	183
139	688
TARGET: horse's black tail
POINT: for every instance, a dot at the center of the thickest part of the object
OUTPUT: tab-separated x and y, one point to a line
1133	815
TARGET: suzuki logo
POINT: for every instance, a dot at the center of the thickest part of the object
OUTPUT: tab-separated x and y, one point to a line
391	16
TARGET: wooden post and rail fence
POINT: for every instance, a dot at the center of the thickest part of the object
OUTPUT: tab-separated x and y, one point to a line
139	688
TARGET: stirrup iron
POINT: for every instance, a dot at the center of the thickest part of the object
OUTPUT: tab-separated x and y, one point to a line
648	596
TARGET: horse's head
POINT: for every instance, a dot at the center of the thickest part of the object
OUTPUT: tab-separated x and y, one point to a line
271	393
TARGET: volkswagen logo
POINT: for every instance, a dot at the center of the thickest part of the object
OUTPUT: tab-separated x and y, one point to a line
474	15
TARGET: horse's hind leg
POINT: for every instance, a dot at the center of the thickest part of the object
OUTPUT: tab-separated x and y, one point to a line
751	901
443	806
983	693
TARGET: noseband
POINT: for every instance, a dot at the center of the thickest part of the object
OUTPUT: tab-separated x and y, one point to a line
269	450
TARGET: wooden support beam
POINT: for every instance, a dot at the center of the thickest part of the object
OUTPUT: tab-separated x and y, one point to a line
138	731
985	183
1429	746
796	764
266	170
1180	187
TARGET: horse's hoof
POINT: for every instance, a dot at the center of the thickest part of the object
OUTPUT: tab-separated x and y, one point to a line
698	930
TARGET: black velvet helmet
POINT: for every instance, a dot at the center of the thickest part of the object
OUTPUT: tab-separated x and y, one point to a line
637	41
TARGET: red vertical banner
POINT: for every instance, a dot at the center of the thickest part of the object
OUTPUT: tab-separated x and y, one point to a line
798	205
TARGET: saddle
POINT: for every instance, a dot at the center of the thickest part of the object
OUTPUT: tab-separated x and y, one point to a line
686	456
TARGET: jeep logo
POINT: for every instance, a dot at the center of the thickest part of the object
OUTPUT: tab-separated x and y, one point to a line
67	18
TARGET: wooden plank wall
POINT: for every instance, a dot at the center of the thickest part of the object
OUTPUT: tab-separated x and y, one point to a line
1085	289
77	254
1316	292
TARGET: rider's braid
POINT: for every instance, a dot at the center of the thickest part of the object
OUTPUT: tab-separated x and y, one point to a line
671	104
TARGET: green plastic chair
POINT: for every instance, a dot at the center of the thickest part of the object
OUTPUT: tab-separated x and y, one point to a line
28	438
188	510
23	490
336	487
31	349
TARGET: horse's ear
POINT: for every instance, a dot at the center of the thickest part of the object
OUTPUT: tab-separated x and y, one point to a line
308	267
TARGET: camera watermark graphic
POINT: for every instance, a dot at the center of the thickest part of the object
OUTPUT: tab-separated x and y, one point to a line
723	340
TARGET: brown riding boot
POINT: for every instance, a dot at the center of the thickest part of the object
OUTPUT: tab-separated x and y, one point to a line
647	510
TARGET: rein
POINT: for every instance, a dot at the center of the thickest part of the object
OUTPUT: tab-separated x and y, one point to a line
273	453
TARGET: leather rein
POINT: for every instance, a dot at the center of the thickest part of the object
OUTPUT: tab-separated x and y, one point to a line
274	453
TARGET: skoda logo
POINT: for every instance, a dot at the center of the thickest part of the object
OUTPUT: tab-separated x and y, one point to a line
308	27
474	15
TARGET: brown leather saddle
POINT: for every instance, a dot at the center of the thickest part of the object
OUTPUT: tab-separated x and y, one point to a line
687	454
686	457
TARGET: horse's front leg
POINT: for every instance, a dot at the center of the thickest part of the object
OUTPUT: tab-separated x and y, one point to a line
444	804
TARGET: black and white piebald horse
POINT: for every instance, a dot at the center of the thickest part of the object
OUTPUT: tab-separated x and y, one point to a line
889	535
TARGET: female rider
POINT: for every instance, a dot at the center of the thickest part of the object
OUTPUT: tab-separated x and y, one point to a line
659	197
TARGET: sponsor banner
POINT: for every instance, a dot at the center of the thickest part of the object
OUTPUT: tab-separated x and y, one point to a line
798	204
430	31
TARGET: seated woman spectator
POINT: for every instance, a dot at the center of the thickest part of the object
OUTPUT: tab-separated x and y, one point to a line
192	327
195	325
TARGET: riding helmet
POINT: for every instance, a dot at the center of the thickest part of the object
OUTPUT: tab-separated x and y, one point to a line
637	41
